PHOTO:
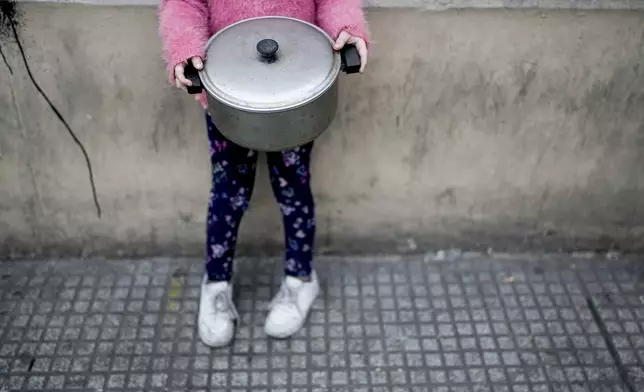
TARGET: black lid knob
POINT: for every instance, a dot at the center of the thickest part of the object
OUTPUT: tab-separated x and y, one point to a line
267	48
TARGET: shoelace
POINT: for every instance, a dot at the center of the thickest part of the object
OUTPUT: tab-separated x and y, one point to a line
224	304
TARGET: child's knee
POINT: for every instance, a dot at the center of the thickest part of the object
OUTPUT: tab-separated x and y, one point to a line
239	203
294	198
235	202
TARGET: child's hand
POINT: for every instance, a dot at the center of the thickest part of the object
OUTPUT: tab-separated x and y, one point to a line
345	38
180	77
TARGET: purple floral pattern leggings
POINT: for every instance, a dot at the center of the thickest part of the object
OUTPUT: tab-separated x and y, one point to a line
233	178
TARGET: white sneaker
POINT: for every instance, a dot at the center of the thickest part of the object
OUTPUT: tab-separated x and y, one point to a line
290	307
217	314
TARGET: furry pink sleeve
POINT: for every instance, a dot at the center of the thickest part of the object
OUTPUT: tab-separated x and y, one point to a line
184	31
333	16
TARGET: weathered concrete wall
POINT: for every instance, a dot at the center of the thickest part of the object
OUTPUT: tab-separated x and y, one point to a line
471	128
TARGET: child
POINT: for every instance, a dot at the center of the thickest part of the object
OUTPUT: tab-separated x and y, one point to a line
185	27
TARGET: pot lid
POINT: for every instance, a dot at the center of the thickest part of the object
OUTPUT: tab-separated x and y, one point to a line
269	64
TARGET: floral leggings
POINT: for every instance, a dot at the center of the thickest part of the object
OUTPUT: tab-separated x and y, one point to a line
233	177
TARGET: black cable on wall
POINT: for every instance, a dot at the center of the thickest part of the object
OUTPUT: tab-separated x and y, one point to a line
8	29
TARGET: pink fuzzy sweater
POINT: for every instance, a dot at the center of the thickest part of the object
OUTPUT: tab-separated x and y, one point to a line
186	25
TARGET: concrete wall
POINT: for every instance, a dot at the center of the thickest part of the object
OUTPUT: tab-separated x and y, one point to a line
504	129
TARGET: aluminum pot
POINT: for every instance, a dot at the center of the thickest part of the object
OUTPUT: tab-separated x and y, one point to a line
272	82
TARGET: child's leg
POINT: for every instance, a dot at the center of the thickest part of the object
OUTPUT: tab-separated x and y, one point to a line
233	177
292	187
290	179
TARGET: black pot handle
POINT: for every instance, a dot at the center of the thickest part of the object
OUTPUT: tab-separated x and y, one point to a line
350	59
192	75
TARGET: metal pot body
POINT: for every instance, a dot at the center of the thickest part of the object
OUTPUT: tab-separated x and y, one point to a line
272	82
275	131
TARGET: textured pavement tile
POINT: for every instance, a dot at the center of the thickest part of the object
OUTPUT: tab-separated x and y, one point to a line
471	324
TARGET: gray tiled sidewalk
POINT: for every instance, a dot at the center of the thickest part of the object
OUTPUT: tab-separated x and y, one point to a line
474	324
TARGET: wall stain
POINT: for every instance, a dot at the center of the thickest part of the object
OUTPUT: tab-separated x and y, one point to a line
328	233
123	92
611	104
9	14
154	235
419	148
169	123
77	80
6	111
186	217
525	79
611	125
449	195
411	87
415	101
356	198
35	206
